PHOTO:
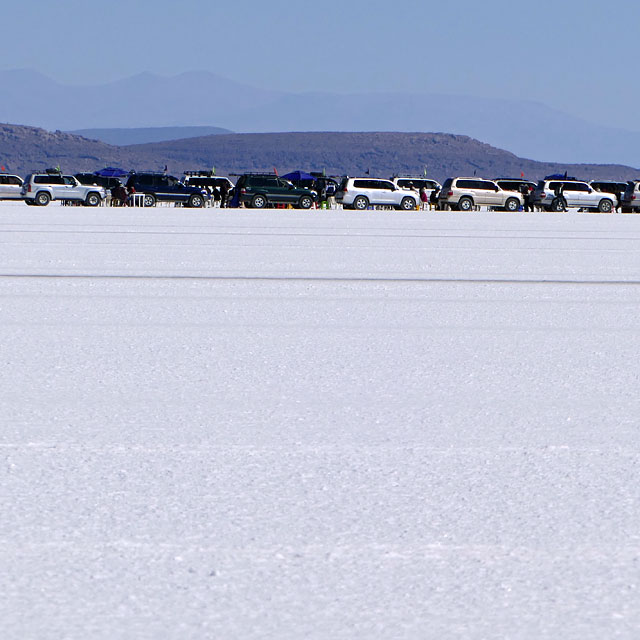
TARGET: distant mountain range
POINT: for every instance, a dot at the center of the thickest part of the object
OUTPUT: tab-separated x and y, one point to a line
24	149
529	129
143	135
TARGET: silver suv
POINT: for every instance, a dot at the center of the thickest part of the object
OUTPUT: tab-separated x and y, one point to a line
576	193
631	197
41	188
463	194
359	193
10	187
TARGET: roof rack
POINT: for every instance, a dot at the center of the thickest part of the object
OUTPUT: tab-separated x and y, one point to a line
204	173
271	174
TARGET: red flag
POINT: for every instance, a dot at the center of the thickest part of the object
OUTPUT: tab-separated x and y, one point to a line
275	171
522	174
2	169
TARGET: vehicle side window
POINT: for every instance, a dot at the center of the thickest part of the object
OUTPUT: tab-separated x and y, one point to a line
3	180
361	184
466	184
485	186
403	183
69	180
387	185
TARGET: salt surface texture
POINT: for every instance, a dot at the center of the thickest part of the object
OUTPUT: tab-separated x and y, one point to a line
281	424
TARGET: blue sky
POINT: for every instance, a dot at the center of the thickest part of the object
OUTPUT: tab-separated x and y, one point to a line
578	56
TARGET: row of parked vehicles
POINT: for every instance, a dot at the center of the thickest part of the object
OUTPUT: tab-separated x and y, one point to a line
259	190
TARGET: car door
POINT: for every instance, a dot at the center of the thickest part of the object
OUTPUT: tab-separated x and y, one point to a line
284	191
485	192
574	195
590	197
57	185
387	192
72	189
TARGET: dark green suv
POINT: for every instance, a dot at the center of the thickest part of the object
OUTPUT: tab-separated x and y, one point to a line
259	190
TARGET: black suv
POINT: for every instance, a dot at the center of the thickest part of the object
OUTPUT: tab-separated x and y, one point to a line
101	181
159	187
259	190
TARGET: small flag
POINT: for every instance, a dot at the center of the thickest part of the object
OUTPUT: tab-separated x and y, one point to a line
166	168
324	172
522	174
275	171
2	168
213	171
367	172
425	171
474	172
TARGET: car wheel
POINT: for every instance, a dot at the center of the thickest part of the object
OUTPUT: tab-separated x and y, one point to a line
149	200
465	204
93	200
407	204
360	203
556	205
512	204
43	199
305	202
258	201
605	206
196	201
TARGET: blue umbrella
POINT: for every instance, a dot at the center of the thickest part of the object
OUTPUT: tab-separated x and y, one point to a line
112	172
298	176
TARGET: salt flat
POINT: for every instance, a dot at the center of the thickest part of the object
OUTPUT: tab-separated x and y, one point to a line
279	424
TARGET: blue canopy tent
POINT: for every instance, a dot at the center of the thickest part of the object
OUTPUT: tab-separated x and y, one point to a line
298	176
112	172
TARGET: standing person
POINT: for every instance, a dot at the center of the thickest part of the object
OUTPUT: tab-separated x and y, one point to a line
619	196
224	194
123	196
558	192
525	190
322	195
130	191
433	198
424	198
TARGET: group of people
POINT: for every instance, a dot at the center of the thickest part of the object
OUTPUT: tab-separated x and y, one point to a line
121	195
428	200
219	195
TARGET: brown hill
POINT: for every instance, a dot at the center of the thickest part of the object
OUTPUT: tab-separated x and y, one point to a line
24	149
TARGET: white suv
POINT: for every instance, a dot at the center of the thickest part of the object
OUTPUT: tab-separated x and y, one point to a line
41	188
359	193
577	194
407	182
463	194
10	187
